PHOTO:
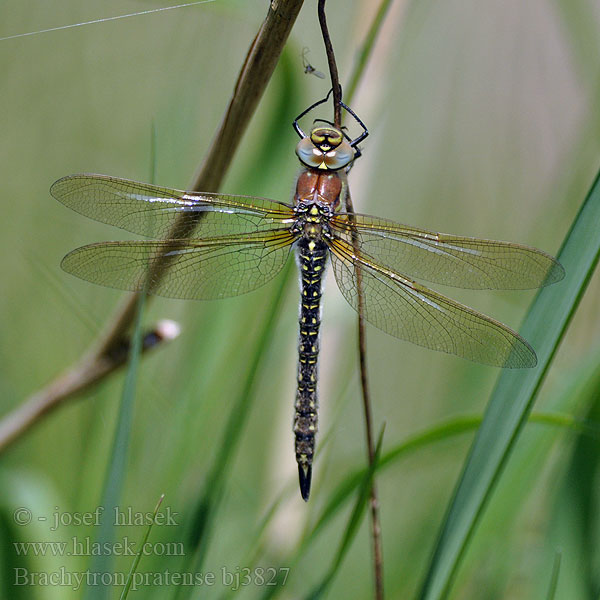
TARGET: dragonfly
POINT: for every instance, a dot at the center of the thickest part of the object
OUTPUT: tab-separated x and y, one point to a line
209	246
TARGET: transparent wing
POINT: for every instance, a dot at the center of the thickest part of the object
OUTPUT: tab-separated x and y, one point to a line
412	312
197	269
159	212
447	259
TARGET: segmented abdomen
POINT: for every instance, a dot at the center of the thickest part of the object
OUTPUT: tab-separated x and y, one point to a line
312	258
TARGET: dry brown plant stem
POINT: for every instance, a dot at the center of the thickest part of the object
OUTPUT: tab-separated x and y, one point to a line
254	75
376	542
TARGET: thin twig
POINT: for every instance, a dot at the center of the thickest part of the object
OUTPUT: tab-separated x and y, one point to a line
362	336
255	73
367	411
333	71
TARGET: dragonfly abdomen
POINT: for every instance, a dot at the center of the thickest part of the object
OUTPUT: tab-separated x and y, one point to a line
312	258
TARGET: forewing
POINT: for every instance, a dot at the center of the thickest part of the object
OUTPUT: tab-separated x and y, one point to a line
447	259
159	212
412	312
194	269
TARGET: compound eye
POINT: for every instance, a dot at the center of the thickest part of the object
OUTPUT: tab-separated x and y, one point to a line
335	139
308	153
342	156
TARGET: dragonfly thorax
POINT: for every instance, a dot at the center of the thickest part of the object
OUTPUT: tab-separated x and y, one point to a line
312	219
316	199
318	187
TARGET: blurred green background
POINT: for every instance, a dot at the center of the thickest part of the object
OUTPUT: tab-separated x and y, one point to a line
484	120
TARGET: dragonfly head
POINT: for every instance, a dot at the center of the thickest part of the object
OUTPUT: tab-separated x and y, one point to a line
325	148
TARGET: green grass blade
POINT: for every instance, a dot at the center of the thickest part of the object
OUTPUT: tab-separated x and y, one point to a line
576	503
117	470
204	511
257	549
343	492
444	431
424	439
138	556
513	397
353	523
579	24
10	563
554	577
365	51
